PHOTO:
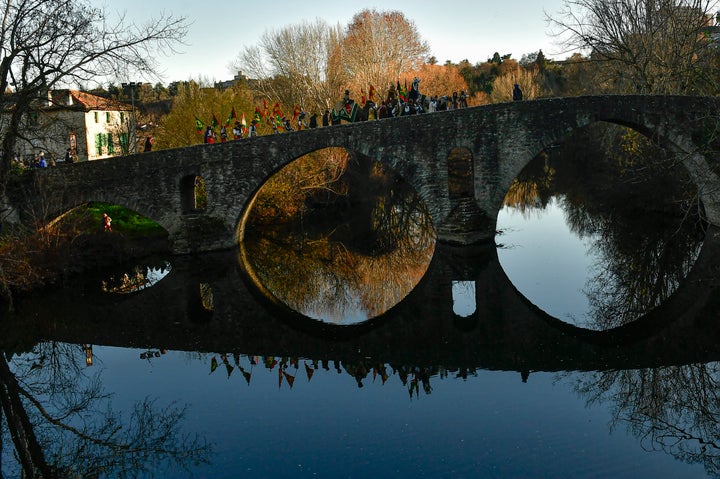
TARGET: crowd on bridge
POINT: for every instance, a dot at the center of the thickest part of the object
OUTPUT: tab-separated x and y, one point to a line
397	102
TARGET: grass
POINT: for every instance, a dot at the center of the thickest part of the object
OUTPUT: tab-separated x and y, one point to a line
124	220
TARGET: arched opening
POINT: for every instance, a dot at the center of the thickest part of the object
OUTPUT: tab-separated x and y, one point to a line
600	228
461	181
337	237
193	194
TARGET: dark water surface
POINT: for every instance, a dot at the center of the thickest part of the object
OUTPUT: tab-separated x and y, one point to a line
541	357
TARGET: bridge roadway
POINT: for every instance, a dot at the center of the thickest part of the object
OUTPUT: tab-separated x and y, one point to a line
506	332
499	139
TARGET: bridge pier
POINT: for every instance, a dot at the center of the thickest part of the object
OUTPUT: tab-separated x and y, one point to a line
466	224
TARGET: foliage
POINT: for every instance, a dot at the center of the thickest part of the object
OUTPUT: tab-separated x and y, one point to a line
526	78
124	220
284	195
45	44
437	80
654	47
296	65
379	47
310	64
195	101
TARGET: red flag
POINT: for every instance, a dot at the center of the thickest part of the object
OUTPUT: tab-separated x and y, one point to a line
215	121
371	94
362	97
296	113
266	110
276	109
258	113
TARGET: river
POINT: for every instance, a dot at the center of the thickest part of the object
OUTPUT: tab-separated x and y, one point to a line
583	343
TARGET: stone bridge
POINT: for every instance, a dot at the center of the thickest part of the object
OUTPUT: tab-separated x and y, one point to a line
495	142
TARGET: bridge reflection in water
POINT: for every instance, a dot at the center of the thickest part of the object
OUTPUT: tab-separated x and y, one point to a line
207	304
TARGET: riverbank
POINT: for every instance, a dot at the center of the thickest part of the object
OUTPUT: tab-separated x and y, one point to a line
30	262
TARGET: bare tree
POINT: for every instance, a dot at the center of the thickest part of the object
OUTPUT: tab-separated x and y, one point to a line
294	65
45	44
379	47
646	46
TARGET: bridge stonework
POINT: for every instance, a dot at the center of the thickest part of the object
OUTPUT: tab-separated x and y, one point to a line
501	139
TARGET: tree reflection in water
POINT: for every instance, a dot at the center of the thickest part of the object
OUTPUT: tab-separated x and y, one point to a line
673	409
343	250
60	422
633	200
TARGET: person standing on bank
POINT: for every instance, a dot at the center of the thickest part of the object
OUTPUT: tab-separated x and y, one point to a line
107	223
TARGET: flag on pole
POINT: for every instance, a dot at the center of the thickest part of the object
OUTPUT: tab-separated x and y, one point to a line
243	123
371	94
199	125
231	117
266	110
215	121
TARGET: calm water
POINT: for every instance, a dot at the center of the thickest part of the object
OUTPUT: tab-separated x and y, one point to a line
203	375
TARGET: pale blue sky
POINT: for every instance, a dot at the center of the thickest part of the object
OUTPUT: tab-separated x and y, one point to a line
457	30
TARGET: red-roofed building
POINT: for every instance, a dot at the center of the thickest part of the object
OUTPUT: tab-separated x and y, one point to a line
92	126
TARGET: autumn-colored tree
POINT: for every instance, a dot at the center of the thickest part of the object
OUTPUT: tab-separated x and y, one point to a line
379	47
526	78
197	102
437	80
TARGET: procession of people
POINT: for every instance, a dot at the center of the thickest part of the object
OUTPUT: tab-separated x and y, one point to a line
398	101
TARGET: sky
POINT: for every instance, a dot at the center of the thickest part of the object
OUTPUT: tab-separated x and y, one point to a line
455	31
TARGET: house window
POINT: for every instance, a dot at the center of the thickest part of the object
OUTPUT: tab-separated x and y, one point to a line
97	117
107	117
110	145
99	140
32	118
124	144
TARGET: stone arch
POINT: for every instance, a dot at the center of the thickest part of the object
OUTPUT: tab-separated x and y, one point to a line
707	182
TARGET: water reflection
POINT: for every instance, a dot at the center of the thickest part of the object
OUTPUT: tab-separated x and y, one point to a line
348	256
135	278
674	409
60	421
630	212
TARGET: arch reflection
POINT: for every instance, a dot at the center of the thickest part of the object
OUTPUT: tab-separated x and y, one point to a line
630	205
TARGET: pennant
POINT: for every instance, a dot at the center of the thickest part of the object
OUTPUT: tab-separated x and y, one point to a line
266	110
296	113
242	121
309	371
276	109
246	375
213	364
371	94
199	125
290	379
231	117
362	97
215	121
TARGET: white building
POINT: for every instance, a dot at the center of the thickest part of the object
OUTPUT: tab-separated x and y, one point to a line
93	127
